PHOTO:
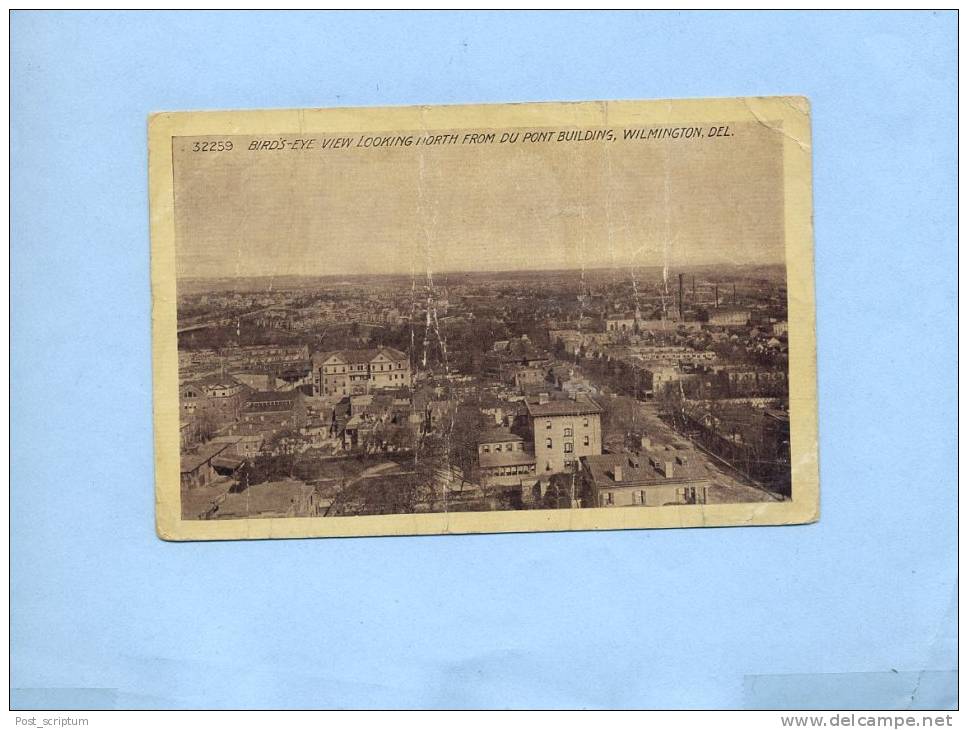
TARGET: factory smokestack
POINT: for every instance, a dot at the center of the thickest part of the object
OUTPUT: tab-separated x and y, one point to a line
681	318
716	290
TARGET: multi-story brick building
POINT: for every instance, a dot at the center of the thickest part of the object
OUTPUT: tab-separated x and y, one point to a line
563	430
508	357
352	372
219	398
527	376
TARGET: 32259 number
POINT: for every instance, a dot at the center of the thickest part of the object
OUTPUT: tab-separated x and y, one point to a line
218	146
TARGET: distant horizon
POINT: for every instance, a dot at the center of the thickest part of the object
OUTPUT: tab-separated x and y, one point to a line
751	265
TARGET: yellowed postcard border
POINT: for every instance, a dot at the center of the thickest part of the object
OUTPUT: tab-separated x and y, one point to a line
789	116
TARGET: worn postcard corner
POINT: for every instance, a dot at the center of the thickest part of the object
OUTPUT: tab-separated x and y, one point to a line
491	318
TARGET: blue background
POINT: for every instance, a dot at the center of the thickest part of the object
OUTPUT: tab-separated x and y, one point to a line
104	614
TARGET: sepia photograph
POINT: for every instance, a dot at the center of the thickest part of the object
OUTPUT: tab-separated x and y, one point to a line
488	319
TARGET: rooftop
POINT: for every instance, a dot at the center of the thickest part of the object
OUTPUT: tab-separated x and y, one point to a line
191	461
505	458
497	436
361	356
233	439
645	469
578	406
263	431
198	501
227	462
214	381
272	396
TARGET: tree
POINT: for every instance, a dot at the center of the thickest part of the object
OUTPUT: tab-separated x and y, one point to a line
206	426
401	437
621	415
378	495
461	437
278	457
562	489
558	350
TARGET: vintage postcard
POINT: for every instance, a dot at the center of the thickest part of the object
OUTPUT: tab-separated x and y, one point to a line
491	318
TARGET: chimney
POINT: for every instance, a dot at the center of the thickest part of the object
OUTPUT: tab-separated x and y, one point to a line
680	298
646	442
716	289
542	398
617	473
668	469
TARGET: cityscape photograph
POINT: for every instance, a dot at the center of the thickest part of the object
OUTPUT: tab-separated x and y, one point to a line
467	329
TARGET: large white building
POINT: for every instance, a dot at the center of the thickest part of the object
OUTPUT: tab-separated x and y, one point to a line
352	372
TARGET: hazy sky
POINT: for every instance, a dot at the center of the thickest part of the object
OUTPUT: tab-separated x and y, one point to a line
488	207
